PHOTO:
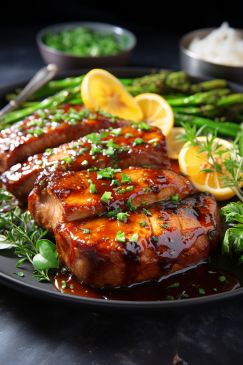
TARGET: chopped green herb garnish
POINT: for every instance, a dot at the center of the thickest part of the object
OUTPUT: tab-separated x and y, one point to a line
106	196
67	160
172	252
129	188
103	135
115	182
71	286
146	190
175	199
116	132
169	297
129	205
49	150
222	278
120	237
126	178
127	135
147	212
38	132
41	182
214	289
153	140
142	223
164	225
107	173
144	126
122	216
64	285
175	285
93	137
138	141
86	230
201	291
113	145
103	184
212	272
155	239
93	189
134	238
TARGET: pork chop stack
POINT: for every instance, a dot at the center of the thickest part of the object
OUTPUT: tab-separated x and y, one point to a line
119	214
118	227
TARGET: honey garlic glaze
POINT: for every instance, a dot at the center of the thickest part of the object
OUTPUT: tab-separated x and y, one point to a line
196	282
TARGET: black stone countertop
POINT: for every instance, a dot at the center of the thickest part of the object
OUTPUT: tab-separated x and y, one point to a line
39	332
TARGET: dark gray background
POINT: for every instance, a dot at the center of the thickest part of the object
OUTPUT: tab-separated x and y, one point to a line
38	332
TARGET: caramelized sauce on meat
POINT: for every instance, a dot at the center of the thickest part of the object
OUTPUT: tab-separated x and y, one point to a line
189	281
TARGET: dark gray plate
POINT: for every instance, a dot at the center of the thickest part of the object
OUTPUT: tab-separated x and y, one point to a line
29	285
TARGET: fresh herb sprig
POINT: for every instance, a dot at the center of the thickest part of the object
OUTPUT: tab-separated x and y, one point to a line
20	231
230	169
227	162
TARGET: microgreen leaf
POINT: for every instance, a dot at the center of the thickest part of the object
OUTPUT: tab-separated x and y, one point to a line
47	258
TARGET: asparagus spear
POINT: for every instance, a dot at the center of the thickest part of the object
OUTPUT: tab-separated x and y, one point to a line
57	85
50	102
209	97
207	86
179	81
154	83
198	110
225	129
230	100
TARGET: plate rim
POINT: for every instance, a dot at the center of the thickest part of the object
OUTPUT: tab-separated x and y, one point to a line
94	303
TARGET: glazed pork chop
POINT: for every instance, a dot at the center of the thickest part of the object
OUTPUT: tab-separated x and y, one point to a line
64	197
41	131
147	245
94	150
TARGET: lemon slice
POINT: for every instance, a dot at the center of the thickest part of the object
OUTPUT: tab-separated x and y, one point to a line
100	89
173	146
191	163
156	111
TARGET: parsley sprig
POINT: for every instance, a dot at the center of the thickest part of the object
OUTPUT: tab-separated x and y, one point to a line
20	231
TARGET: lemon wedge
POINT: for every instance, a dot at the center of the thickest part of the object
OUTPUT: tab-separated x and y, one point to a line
100	89
191	163
173	146
156	111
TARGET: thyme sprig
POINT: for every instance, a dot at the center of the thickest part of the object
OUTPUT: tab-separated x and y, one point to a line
20	231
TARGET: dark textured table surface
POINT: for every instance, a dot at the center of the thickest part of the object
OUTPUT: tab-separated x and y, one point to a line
38	332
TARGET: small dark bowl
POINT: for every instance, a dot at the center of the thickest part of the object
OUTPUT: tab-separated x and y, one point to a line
195	66
66	61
